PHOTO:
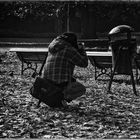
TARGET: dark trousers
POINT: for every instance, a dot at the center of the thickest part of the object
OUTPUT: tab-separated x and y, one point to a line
62	86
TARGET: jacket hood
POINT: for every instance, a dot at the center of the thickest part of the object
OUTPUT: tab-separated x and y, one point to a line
57	45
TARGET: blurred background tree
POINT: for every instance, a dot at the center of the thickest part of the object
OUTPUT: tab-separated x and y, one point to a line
85	17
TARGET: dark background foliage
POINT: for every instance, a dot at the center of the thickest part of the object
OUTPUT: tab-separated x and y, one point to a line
43	17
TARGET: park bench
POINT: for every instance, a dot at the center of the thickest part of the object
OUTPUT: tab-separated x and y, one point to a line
102	64
25	52
30	57
102	60
31	54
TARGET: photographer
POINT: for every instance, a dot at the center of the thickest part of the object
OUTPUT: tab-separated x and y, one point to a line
63	55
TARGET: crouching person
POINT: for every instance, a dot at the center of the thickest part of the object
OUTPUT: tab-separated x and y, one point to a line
63	55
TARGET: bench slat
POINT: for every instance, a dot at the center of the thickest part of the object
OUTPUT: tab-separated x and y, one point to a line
31	57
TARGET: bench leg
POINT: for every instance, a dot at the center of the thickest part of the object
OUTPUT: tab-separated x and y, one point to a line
22	65
103	71
26	66
133	83
137	70
95	73
111	78
132	77
136	75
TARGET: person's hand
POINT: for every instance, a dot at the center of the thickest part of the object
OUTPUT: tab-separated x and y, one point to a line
81	46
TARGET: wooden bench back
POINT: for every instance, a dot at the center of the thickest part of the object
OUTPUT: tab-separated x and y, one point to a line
28	57
96	44
101	62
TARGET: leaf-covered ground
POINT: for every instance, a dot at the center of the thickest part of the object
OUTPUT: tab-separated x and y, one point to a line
97	114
